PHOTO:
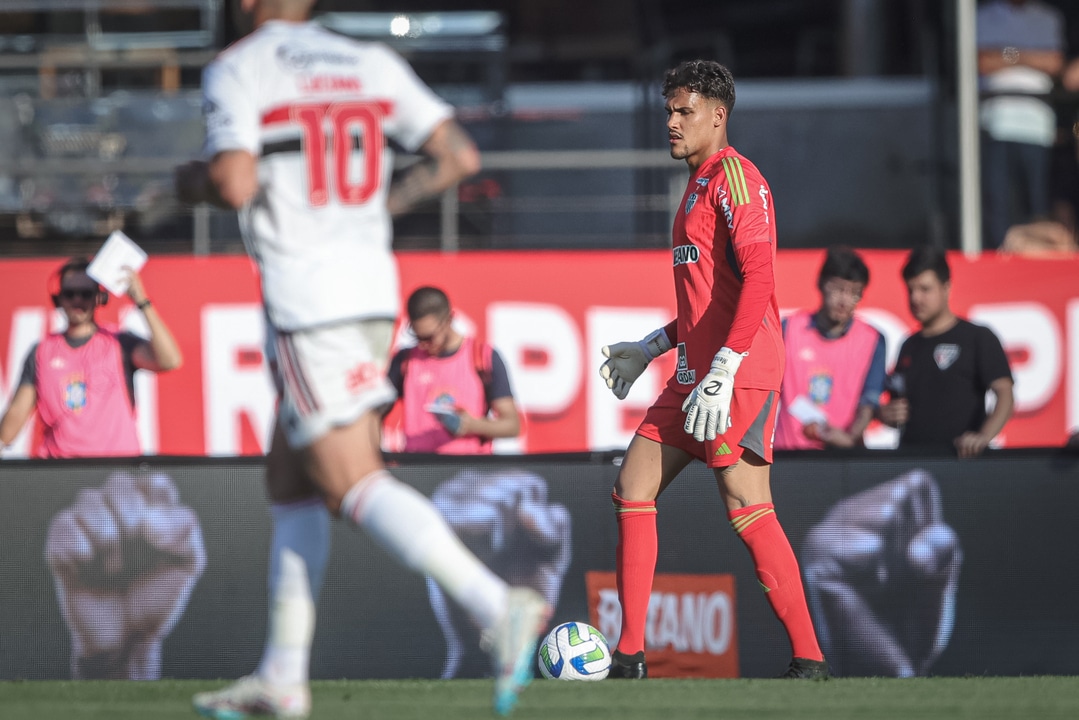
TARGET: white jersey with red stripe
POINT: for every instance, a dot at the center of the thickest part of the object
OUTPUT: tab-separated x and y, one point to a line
318	111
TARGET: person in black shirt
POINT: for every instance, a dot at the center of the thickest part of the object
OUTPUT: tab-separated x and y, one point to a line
944	370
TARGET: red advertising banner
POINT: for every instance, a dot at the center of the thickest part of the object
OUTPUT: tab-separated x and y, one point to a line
548	313
692	628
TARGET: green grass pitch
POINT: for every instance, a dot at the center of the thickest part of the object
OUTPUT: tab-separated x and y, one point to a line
1033	698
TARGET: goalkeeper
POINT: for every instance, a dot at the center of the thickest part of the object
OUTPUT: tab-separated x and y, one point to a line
720	404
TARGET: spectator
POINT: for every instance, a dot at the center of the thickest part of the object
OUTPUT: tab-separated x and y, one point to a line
1044	238
81	380
1070	78
300	129
1065	185
835	363
1020	54
944	370
454	390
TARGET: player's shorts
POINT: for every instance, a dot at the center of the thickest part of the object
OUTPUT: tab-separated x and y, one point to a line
753	414
328	377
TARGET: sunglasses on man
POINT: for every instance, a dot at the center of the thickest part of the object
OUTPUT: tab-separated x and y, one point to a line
69	294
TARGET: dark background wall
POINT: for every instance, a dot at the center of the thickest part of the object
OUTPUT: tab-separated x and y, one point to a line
1011	515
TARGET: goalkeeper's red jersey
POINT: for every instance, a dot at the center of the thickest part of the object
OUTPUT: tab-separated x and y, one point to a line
724	239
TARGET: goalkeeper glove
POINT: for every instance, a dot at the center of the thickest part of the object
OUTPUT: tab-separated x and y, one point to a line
626	361
708	407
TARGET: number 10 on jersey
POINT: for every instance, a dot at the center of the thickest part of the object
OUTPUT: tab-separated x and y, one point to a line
342	119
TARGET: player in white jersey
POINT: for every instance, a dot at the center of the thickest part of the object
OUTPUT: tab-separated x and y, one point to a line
298	122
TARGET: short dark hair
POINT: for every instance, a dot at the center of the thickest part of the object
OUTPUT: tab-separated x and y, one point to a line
707	78
426	301
77	264
927	257
844	263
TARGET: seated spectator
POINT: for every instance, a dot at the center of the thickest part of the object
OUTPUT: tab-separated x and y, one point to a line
81	380
835	363
454	390
945	369
1039	239
1020	55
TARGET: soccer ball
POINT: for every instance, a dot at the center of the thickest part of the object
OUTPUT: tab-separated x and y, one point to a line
574	651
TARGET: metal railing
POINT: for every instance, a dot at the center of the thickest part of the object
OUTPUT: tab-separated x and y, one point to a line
446	216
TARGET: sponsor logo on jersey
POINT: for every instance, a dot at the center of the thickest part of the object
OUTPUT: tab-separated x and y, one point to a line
301	58
945	355
703	182
216	117
686	254
683	374
763	192
728	213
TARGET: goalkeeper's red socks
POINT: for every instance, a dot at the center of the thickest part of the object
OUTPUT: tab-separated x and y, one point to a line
635	561
778	574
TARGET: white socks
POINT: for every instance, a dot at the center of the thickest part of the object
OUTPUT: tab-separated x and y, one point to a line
298	554
405	523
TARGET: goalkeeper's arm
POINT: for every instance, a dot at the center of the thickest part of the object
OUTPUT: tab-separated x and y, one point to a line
626	361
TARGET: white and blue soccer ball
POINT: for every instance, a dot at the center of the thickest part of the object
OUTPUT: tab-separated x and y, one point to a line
574	651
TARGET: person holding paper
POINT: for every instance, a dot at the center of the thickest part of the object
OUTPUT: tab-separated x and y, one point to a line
81	380
835	363
454	390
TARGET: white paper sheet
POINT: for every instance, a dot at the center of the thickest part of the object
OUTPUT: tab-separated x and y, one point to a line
107	267
441	409
805	412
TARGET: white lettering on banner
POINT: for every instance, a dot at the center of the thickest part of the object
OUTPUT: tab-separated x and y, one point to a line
232	390
527	332
146	417
606	326
1031	327
689	622
27	328
609	611
1072	363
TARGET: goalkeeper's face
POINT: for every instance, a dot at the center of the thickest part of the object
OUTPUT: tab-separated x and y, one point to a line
696	126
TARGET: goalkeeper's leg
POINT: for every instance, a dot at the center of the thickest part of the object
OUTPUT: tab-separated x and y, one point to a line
744	485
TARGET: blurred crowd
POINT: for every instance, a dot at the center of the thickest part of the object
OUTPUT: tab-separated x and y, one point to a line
1029	121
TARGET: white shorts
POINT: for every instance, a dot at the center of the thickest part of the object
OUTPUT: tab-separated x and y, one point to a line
329	377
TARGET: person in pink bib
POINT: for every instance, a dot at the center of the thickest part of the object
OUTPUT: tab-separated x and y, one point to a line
835	363
81	380
455	391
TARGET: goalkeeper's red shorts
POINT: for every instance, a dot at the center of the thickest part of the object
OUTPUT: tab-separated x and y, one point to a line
753	417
